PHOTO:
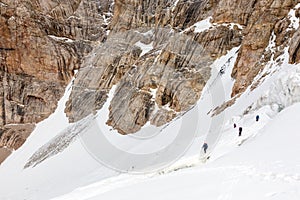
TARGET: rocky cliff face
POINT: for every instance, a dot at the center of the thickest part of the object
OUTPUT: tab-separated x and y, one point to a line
41	44
267	18
157	53
168	79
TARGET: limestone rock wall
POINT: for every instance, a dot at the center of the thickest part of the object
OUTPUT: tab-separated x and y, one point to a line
167	80
157	85
42	42
261	23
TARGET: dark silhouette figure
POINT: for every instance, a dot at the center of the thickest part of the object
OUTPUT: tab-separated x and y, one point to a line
234	125
222	71
205	146
240	131
257	118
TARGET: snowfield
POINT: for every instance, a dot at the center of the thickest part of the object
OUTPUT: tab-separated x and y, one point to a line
163	163
266	166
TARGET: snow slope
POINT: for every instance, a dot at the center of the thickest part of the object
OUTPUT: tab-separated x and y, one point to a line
264	167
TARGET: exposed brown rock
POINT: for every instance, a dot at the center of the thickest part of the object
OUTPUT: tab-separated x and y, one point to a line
260	25
294	48
162	116
4	153
41	44
129	114
105	66
13	136
221	108
234	11
172	69
131	14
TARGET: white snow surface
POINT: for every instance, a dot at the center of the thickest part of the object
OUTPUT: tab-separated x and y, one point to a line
293	18
206	24
264	166
202	25
145	47
63	39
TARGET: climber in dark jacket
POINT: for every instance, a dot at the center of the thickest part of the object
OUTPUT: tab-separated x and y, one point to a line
257	118
222	71
205	146
240	131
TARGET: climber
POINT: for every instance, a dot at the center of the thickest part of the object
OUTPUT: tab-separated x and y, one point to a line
257	118
234	125
240	131
205	146
222	71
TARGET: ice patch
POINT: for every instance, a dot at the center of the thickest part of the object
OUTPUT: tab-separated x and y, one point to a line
145	47
203	25
61	39
294	20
